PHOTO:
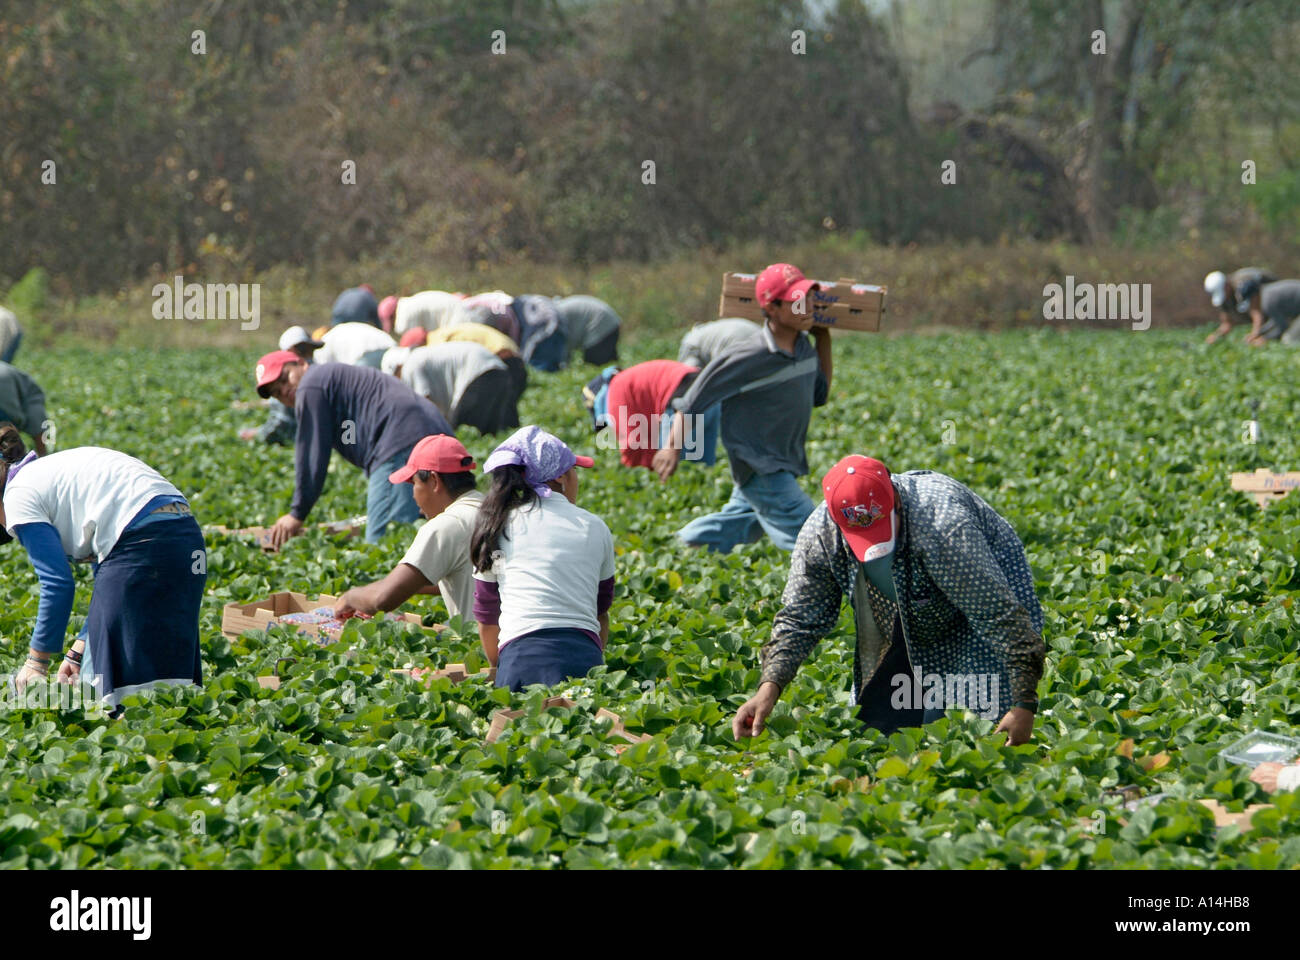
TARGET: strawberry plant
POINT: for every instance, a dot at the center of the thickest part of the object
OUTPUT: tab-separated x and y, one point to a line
1170	629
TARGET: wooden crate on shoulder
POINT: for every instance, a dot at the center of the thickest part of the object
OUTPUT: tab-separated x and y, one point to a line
841	304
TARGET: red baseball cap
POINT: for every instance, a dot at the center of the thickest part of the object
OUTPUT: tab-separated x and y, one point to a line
415	337
441	453
860	499
782	281
270	367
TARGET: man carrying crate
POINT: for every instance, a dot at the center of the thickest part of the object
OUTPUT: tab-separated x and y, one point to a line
767	387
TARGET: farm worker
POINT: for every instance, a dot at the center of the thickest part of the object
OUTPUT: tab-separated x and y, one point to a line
1273	308
704	342
356	305
496	309
1276	776
429	309
638	404
11	335
544	343
22	403
942	596
371	420
1224	291
494	340
441	474
590	325
358	344
768	386
544	567
281	425
470	385
98	505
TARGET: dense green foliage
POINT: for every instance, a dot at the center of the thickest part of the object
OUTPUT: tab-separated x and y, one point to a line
1169	622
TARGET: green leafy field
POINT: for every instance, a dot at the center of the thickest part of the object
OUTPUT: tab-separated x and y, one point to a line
1169	622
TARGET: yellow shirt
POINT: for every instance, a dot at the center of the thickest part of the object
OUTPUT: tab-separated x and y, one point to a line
479	333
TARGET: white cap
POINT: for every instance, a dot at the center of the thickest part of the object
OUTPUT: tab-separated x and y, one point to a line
296	335
393	358
1216	285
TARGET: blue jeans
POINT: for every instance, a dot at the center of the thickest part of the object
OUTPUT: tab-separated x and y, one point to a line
388	502
701	441
771	503
12	349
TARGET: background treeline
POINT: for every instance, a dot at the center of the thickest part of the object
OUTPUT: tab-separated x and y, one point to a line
231	161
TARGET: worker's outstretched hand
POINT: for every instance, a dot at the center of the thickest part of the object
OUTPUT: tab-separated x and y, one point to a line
751	716
286	527
1018	725
665	463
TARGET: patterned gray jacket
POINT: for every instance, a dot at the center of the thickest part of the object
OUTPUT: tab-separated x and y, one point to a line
964	587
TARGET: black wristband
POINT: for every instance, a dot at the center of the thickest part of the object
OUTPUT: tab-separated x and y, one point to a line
1030	705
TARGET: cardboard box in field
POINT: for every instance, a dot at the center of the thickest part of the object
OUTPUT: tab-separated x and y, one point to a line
260	614
503	718
455	672
1265	485
842	304
355	527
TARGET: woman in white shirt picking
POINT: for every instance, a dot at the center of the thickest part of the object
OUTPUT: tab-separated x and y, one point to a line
99	505
544	567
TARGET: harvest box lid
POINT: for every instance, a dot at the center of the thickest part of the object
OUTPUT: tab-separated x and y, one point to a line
1259	746
843	304
260	614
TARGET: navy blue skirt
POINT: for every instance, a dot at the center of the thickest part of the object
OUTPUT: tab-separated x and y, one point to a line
143	625
546	656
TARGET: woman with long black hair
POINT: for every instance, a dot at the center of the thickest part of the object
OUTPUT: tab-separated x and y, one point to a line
544	567
99	505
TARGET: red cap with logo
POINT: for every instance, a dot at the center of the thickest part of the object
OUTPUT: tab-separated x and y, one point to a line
270	367
782	281
440	453
860	499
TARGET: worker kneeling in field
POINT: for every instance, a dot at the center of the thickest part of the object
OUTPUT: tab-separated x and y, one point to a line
637	403
99	505
942	595
1224	290
1274	309
372	420
768	386
467	383
11	335
441	474
489	337
544	567
22	403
